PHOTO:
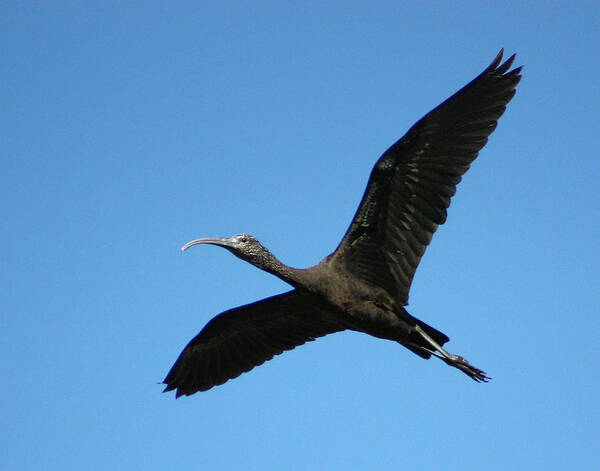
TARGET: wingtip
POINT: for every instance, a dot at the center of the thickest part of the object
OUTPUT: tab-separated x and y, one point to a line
497	67
507	65
170	387
496	60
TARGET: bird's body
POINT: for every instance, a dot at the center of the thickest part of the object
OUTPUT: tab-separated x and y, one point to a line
363	285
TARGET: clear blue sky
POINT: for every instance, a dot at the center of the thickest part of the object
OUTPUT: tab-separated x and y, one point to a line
129	128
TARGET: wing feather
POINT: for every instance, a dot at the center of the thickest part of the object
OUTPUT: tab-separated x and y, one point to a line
240	339
411	185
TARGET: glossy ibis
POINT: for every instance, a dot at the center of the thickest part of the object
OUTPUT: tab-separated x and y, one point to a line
363	285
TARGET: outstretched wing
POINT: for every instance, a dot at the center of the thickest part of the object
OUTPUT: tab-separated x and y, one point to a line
410	187
237	340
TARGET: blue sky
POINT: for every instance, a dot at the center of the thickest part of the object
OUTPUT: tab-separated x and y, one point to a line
131	128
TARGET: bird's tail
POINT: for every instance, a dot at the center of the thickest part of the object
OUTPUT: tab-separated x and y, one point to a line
416	340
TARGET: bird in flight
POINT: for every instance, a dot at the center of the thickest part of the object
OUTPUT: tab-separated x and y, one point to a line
363	285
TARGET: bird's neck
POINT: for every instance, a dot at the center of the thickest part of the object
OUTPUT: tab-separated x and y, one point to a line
269	263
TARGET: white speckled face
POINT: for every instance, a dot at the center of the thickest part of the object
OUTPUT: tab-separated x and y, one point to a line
246	246
243	238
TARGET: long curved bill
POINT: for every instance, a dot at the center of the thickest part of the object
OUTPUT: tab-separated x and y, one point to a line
221	241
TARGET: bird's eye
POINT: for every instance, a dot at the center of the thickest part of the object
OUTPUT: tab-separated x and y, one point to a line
243	239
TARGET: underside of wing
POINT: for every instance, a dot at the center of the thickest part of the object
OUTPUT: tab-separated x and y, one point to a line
237	340
411	185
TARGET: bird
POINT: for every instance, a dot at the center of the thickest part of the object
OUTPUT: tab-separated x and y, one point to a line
363	285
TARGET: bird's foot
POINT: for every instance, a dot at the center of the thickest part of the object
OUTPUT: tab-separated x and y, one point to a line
463	365
453	360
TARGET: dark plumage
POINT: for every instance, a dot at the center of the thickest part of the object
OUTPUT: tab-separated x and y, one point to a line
363	285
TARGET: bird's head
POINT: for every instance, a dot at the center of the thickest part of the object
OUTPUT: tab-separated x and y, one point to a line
243	246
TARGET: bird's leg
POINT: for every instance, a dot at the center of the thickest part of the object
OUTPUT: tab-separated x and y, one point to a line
452	360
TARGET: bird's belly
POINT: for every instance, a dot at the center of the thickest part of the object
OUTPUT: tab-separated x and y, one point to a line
365	308
375	320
